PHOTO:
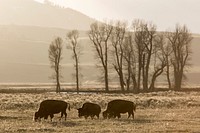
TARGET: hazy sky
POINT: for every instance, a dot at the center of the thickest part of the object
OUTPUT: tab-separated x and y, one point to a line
164	13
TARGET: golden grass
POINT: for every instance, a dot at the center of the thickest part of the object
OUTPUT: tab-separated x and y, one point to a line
156	112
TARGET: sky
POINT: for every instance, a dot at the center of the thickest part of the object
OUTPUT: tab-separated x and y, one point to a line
164	13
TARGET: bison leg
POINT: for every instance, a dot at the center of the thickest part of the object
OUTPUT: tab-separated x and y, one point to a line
64	114
46	117
114	115
51	116
118	115
86	116
61	116
97	116
92	116
111	115
131	113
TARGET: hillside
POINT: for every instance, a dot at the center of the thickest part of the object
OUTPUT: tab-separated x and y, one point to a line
24	56
26	30
32	13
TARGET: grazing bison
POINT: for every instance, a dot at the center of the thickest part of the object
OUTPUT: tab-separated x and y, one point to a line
116	107
89	109
51	107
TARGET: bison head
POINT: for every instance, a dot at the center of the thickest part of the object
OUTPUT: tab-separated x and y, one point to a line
111	115
108	114
105	114
80	112
36	116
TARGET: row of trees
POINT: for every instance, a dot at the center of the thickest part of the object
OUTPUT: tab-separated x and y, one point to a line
139	55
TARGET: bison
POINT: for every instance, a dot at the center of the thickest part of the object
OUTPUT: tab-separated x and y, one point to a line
116	107
89	109
51	107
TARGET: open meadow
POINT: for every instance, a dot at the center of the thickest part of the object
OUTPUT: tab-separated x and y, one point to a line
156	112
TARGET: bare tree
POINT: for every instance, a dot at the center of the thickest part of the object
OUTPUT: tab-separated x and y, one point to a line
99	34
130	62
180	41
139	38
73	36
159	57
149	50
117	41
167	52
144	34
55	53
151	62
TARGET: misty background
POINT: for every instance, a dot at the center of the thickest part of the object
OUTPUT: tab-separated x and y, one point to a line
27	28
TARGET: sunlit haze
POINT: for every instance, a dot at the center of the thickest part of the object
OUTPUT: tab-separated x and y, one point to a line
164	13
27	28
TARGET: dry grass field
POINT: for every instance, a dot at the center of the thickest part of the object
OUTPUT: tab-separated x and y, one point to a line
156	112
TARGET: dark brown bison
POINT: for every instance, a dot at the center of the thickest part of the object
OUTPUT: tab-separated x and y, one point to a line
89	109
51	107
116	107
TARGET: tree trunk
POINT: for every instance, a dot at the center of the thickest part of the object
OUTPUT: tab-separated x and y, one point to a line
106	80
178	81
77	76
144	76
135	89
168	76
57	82
139	72
121	80
106	66
129	76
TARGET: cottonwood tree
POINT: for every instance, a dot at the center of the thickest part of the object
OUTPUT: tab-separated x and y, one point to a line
144	36
117	41
149	44
180	41
159	59
99	34
55	56
130	62
167	53
139	38
150	61
73	36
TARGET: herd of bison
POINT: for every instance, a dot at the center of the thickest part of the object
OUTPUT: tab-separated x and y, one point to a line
114	108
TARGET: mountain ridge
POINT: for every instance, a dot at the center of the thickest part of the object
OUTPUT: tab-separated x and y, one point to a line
32	13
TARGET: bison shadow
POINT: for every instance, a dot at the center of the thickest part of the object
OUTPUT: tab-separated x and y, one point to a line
64	123
8	117
142	121
137	120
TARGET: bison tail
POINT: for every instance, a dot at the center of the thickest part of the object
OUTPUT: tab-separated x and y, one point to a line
68	106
